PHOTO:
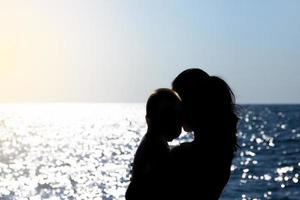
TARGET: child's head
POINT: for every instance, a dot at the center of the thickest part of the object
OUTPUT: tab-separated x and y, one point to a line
164	113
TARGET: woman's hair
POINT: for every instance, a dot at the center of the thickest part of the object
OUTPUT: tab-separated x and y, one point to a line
209	106
222	112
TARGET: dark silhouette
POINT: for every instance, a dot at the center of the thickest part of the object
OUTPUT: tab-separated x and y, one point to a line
202	167
151	161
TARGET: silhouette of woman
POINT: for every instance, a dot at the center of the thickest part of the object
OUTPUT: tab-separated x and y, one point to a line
202	167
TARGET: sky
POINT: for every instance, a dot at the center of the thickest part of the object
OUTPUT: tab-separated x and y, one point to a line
120	51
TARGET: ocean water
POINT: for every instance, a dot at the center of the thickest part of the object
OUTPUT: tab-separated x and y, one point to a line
83	151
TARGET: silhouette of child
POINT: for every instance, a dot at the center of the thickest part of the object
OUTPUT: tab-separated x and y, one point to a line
149	172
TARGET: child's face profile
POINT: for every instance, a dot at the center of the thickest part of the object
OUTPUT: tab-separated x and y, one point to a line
173	123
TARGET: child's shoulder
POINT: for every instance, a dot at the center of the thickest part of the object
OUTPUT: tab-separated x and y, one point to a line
151	148
153	144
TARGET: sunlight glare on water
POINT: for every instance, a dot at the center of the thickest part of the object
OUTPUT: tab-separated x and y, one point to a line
70	151
84	151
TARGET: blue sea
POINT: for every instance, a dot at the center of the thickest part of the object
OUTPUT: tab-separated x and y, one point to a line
83	151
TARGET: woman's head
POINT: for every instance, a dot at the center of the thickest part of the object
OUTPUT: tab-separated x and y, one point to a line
164	113
191	85
208	106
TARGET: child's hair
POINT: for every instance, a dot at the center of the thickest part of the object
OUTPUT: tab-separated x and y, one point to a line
160	101
163	108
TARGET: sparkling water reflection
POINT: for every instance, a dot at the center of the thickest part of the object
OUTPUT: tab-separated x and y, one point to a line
83	151
267	164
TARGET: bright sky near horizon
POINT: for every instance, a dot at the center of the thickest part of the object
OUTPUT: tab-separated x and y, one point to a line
112	51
